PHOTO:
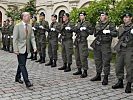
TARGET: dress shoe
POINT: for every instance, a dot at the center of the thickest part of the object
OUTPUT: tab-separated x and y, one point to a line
29	85
19	81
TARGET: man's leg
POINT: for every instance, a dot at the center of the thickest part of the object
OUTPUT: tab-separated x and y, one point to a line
22	65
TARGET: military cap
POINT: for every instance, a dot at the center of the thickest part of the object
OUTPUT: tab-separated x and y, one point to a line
104	12
54	15
66	14
127	14
83	12
42	14
34	17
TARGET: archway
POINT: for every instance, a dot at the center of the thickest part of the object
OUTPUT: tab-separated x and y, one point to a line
61	13
0	18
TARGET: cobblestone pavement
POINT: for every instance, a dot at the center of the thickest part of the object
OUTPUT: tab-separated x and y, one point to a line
52	84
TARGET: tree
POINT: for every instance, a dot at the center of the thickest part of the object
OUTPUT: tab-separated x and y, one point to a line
115	10
15	12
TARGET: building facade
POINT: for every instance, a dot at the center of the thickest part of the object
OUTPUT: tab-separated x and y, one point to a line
49	7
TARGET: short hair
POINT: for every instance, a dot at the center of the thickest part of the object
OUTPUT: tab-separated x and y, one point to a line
24	13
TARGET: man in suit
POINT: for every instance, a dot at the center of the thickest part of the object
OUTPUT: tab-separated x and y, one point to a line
22	37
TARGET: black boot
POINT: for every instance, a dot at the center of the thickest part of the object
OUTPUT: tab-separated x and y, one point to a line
84	75
97	77
128	87
105	80
42	61
39	59
49	63
31	57
68	69
63	67
79	72
119	84
54	64
35	56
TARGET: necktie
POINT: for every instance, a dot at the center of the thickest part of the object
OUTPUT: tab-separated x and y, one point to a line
26	29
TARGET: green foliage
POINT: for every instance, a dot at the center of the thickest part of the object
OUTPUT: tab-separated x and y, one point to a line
115	10
15	12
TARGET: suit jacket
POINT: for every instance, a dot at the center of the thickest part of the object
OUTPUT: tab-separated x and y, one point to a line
21	42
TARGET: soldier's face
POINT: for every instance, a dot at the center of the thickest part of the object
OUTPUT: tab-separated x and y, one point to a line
103	17
41	18
127	19
53	18
33	20
7	22
65	18
11	22
82	17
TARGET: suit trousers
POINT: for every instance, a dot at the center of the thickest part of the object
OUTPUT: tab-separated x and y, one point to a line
22	67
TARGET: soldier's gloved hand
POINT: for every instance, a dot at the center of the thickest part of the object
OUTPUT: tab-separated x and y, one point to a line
41	27
52	29
12	36
82	28
34	28
67	28
8	37
106	31
131	31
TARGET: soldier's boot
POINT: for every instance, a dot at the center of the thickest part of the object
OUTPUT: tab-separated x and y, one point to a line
31	57
35	56
43	60
97	77
105	80
39	59
68	69
63	67
54	63
49	63
84	75
128	87
79	72
119	84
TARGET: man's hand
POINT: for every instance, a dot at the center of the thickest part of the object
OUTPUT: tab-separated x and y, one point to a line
16	52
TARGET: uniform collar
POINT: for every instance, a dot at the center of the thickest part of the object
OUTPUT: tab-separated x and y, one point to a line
128	25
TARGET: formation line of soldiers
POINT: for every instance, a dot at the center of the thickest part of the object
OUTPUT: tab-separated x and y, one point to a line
104	32
7	35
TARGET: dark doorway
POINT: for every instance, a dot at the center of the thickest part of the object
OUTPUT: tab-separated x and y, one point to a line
0	19
61	13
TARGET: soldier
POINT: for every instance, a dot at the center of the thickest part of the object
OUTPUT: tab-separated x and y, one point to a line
7	35
67	30
43	27
124	50
11	27
35	26
104	32
83	30
3	30
53	41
